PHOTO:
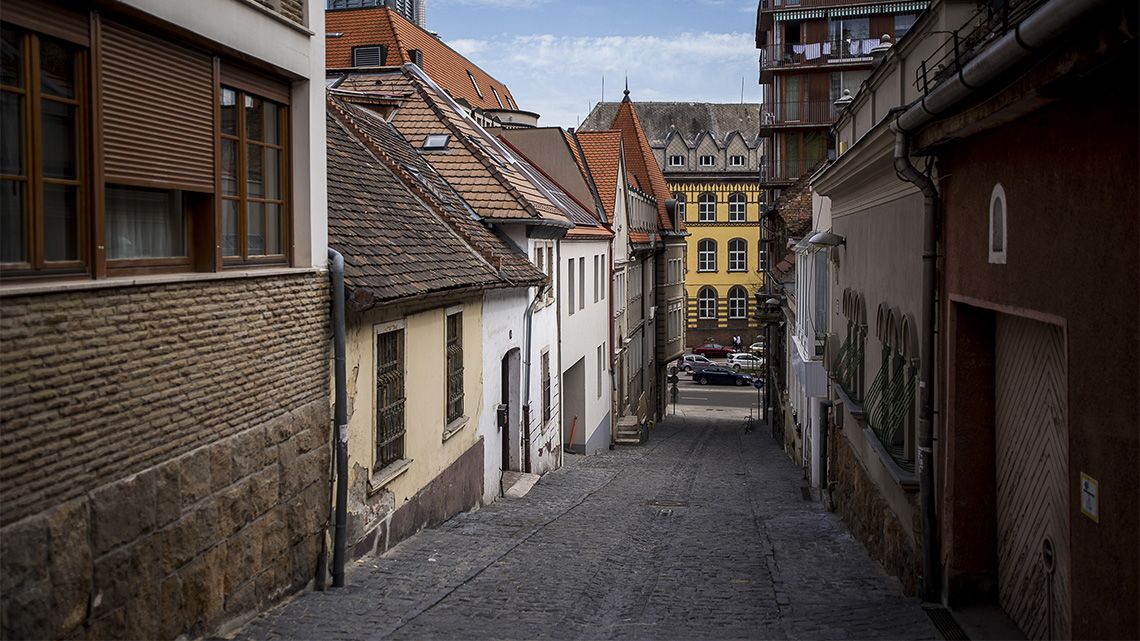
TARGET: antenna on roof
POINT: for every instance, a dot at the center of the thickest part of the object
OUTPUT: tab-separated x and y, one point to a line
603	87
742	90
626	88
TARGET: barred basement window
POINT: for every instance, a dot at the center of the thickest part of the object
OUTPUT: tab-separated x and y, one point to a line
546	409
390	426
454	366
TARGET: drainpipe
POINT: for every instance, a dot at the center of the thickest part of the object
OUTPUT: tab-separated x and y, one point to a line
340	415
1049	23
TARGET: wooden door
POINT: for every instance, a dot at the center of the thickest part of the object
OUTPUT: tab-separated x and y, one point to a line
1032	452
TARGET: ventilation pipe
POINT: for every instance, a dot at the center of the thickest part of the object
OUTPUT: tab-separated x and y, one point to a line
340	415
1043	28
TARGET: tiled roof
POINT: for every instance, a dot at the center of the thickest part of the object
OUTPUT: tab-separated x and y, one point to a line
640	162
602	150
688	119
476	164
394	247
383	26
391	148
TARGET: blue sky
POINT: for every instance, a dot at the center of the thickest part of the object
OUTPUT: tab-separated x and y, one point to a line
552	54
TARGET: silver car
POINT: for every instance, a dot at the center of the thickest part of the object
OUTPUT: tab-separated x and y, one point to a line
694	363
744	361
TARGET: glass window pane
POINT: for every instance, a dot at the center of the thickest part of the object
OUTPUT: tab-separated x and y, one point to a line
144	223
272	128
61	223
12	222
229	168
11	134
272	173
255	229
229	112
254	119
11	58
229	228
254	174
59	144
273	228
57	67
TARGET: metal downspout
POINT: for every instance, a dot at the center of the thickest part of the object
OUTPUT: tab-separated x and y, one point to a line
340	415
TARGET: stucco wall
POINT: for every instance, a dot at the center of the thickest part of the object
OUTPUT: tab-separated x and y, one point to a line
583	333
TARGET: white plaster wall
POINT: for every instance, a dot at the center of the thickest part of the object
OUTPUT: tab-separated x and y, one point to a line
585	330
545	450
504	312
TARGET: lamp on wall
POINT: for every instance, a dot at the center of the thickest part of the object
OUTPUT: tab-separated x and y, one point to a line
826	239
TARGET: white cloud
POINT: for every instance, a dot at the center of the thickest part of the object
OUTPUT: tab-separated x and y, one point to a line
560	76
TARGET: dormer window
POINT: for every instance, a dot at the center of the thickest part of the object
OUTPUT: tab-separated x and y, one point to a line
736	161
708	161
676	161
497	98
436	142
475	84
370	56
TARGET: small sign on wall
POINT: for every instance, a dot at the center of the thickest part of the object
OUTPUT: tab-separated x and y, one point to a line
1090	501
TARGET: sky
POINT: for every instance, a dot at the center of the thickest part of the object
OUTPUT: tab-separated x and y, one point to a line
553	54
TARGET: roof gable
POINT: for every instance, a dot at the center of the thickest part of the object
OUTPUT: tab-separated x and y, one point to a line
602	151
640	161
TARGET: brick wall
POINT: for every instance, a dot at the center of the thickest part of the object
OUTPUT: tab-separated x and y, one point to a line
163	454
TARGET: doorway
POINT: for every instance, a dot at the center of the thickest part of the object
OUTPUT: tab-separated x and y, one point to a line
509	373
574	407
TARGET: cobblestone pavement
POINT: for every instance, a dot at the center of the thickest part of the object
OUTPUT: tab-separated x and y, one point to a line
730	550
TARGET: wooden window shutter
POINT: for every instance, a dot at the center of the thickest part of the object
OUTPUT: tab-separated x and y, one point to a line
255	83
157	102
51	19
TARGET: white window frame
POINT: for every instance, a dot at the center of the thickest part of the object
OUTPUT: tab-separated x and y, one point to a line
706	307
474	83
738	257
737	305
706	258
676	160
1000	206
737	161
706	211
708	160
737	209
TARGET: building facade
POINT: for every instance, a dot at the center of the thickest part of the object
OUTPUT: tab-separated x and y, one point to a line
165	315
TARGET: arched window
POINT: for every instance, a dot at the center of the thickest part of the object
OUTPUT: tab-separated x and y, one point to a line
998	212
736	207
680	196
737	255
706	255
706	207
706	303
737	302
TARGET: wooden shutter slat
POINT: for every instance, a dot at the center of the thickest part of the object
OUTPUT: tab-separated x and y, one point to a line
49	18
157	101
255	83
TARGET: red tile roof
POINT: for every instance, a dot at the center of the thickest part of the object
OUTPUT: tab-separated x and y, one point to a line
602	150
640	162
383	26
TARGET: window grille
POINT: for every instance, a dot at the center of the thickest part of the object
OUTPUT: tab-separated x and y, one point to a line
454	366
390	427
546	409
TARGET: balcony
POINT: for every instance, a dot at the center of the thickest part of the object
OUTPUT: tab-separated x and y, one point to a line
796	114
293	10
786	172
776	5
815	54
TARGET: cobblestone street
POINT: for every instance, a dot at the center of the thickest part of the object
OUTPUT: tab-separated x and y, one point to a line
703	532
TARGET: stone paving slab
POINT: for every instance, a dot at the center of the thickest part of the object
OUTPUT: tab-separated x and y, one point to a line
702	533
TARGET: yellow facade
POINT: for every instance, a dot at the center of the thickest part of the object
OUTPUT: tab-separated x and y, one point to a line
723	278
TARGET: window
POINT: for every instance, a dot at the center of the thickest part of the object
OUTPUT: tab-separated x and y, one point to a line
601	368
676	161
763	253
581	282
602	276
546	409
570	289
706	255
253	189
475	84
390	426
737	255
42	213
846	80
998	214
680	204
676	271
596	276
145	223
708	161
736	161
544	260
737	204
737	302
436	142
706	304
706	207
370	56
903	23
497	99
454	366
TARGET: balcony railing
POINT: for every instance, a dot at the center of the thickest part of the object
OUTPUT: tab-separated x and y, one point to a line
291	9
774	5
888	408
788	170
817	53
803	112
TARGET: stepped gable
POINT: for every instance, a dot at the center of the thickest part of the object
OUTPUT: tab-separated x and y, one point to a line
475	163
418	174
446	66
602	152
394	247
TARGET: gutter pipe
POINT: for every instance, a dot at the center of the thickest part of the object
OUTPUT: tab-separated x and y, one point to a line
1052	21
336	276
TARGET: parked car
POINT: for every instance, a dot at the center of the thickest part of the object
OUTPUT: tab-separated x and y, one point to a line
718	375
713	349
756	348
693	363
745	361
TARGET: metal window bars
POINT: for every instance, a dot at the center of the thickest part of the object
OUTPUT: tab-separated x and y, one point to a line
390	426
889	406
454	366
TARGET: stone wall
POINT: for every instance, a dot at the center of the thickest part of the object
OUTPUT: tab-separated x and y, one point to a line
163	454
868	516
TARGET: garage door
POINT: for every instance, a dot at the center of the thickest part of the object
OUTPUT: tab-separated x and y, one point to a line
1032	451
